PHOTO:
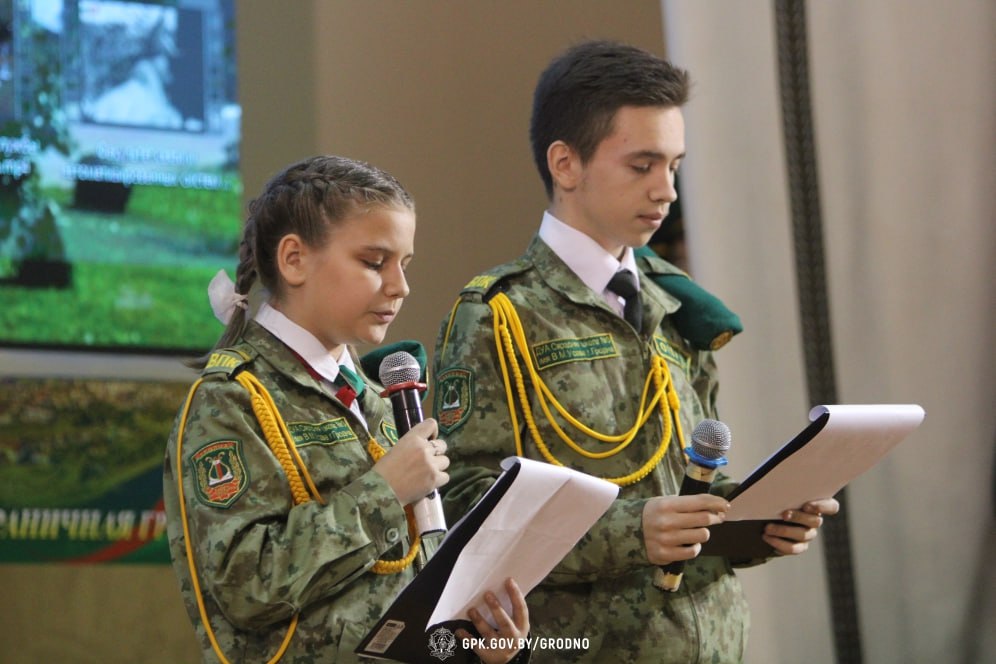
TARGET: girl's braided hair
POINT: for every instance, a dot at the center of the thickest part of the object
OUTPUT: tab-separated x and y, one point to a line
306	198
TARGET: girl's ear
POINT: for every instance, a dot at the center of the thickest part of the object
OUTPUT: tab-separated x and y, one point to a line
291	257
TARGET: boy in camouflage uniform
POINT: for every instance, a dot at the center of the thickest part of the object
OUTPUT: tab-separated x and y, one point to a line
287	488
547	357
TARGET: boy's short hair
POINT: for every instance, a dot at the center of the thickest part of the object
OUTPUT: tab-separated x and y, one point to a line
578	94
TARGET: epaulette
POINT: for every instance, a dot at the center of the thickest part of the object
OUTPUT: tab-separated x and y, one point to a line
227	361
703	319
493	281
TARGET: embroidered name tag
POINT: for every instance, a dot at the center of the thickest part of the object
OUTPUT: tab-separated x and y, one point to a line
329	431
560	351
672	354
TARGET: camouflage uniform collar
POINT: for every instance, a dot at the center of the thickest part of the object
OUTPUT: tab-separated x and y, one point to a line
583	254
278	354
559	276
283	360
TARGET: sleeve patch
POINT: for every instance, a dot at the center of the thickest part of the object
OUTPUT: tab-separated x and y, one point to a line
454	398
220	472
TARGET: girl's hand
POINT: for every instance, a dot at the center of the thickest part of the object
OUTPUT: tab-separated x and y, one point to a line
415	465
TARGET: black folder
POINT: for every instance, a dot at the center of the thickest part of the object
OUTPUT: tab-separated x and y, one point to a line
871	432
399	634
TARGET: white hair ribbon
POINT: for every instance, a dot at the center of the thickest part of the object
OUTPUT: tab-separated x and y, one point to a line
224	299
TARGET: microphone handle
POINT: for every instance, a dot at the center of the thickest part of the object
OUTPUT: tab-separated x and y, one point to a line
407	406
407	409
697	480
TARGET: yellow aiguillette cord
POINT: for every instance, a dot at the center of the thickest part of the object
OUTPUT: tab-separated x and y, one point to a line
509	335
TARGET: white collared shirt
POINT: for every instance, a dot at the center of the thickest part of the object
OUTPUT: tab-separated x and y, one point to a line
587	259
310	349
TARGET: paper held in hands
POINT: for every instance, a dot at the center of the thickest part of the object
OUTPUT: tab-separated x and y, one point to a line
841	443
529	519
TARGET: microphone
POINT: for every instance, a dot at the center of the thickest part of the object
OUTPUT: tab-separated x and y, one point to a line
710	441
399	373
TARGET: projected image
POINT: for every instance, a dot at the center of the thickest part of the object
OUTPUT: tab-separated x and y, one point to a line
129	52
6	64
120	194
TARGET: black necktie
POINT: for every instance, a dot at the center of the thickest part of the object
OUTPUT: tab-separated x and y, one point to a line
623	284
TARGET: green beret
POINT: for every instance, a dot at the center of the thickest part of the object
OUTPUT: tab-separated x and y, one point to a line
371	361
702	319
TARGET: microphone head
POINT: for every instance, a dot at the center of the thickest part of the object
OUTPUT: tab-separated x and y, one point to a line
711	439
397	368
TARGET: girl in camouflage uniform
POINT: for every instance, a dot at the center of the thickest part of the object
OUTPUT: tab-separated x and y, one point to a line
286	489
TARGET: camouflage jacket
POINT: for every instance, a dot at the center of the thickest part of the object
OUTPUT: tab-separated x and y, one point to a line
260	558
595	365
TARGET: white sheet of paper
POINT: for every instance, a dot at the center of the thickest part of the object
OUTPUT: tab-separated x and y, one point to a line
538	521
854	439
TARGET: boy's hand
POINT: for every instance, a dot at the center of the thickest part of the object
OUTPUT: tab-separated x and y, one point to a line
789	540
675	527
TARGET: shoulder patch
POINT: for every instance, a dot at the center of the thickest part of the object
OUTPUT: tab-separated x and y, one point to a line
454	398
481	282
220	472
485	283
225	361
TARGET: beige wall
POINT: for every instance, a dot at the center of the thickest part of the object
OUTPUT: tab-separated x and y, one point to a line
435	91
438	93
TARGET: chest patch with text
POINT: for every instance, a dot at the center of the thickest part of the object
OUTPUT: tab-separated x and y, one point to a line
676	357
322	433
582	349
